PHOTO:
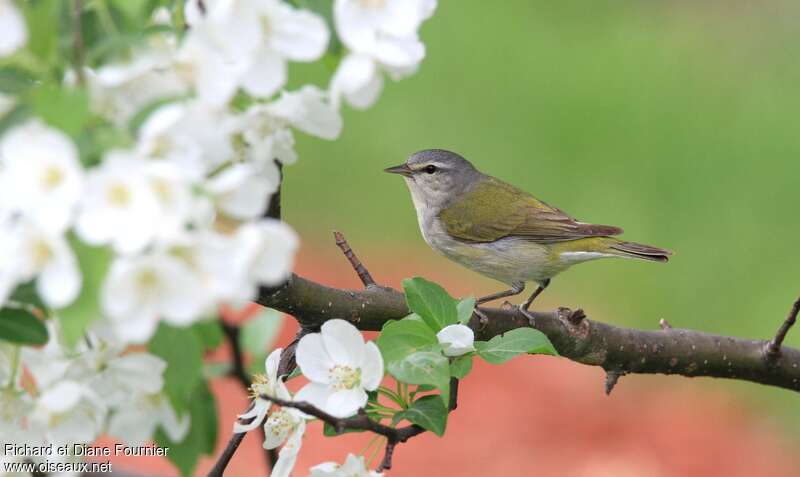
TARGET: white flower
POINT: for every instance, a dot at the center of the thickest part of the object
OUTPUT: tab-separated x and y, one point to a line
117	378
456	340
242	190
247	44
40	174
120	90
219	264
190	135
381	35
353	467
309	111
359	80
119	204
287	425
67	413
136	422
272	245
44	255
173	193
140	290
340	366
265	127
13	32
269	384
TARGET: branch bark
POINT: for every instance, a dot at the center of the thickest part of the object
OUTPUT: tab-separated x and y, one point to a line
616	349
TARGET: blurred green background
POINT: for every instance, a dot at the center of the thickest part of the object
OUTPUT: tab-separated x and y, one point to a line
676	120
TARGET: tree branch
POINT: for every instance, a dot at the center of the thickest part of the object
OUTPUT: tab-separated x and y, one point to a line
238	371
359	267
617	349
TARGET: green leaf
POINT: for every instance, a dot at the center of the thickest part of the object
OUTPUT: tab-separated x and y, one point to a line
399	339
62	107
428	412
42	18
330	431
210	333
94	263
424	367
461	366
21	327
17	115
465	308
260	331
27	294
502	348
202	436
15	80
182	350
431	302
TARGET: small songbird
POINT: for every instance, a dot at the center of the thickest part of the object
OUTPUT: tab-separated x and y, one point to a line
502	232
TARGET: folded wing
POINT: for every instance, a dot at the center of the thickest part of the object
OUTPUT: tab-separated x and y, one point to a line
493	209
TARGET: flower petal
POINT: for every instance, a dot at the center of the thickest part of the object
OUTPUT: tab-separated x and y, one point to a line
314	393
313	359
346	402
271	364
60	281
257	413
266	75
288	454
300	35
372	367
344	342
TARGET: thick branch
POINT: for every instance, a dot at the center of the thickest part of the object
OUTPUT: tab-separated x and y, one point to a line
669	351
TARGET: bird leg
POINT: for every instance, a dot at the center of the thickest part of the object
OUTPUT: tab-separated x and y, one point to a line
516	289
523	308
535	293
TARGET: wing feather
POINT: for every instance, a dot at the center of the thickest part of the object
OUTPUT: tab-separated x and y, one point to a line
493	209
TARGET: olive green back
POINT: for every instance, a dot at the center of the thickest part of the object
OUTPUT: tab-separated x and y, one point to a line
493	209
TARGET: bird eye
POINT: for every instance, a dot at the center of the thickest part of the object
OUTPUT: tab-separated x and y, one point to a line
430	169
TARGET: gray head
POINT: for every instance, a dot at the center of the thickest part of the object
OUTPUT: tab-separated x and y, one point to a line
436	176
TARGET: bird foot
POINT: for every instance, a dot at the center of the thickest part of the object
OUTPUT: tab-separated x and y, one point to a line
527	314
482	318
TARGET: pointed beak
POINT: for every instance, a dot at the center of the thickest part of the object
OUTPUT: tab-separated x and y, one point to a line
402	169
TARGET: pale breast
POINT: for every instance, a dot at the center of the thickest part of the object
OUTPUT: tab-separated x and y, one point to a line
507	260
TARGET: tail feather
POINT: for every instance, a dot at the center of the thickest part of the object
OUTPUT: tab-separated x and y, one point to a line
638	250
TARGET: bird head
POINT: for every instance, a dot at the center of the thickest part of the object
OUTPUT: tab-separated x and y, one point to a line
436	176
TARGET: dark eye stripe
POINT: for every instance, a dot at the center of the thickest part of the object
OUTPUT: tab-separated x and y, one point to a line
430	169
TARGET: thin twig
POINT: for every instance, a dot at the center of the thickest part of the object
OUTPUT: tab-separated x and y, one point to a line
239	372
611	380
227	454
361	421
288	363
774	345
359	267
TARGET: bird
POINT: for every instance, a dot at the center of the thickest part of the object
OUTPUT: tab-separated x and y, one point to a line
495	229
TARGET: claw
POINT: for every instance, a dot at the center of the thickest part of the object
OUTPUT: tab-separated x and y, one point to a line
483	319
527	314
